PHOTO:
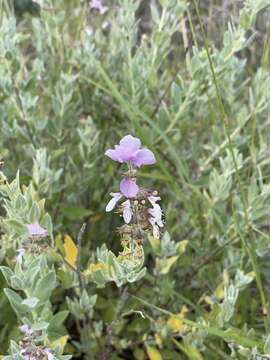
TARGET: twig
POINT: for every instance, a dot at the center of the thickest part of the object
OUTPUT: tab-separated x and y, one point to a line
164	94
206	259
79	244
120	304
86	319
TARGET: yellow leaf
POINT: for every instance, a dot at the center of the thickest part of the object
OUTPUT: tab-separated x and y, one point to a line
184	310
191	352
219	292
158	339
226	277
208	300
175	324
60	343
182	246
95	267
71	251
251	274
153	353
166	264
155	243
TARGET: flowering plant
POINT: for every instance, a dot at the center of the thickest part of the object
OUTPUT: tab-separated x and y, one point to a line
136	199
189	83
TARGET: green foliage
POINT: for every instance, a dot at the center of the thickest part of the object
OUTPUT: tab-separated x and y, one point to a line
194	87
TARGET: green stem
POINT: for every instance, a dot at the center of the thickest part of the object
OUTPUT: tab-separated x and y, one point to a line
228	336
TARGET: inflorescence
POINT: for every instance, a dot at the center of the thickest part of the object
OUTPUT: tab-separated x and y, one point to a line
138	206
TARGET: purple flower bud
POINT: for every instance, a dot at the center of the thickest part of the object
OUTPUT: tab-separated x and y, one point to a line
128	151
36	230
129	188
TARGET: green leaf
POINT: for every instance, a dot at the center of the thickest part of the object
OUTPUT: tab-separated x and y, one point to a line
17	226
182	245
31	302
45	286
266	347
190	351
42	325
7	273
75	212
57	320
34	214
16	302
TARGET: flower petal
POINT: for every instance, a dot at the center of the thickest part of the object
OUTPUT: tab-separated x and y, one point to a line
36	230
155	228
25	329
128	148
143	157
156	212
114	154
130	142
111	204
156	231
96	4
127	212
153	199
129	188
20	254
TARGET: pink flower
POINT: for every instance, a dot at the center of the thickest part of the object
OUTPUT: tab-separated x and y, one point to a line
129	151
97	5
129	188
36	230
25	329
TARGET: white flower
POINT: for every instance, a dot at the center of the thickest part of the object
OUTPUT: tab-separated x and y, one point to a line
127	211
155	213
153	199
49	354
112	203
155	228
20	254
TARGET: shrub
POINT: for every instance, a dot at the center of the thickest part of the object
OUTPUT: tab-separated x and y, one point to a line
77	281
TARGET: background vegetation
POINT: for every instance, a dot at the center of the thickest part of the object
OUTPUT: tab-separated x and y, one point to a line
189	78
